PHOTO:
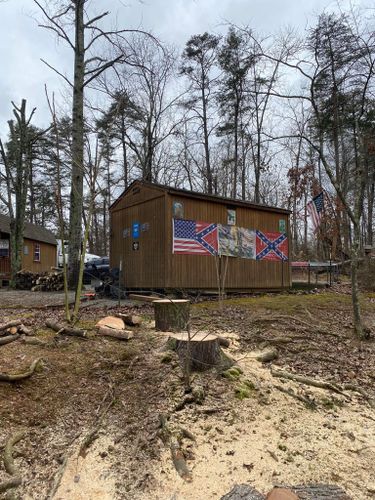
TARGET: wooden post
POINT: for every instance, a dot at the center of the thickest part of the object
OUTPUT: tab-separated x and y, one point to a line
171	315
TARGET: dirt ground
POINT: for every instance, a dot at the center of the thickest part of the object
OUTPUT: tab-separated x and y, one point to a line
111	394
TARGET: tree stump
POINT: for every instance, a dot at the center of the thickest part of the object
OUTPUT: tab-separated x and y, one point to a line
171	315
202	352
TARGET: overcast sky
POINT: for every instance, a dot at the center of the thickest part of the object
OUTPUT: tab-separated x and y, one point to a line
23	43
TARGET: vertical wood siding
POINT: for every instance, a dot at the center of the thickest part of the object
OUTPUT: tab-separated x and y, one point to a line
194	271
143	268
155	266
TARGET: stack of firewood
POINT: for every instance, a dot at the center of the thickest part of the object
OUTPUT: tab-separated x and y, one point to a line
40	282
12	330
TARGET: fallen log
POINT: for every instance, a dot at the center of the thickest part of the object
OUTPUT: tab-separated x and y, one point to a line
66	330
10	324
15	377
117	334
9	339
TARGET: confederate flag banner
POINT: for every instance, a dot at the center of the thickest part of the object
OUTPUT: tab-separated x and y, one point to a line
194	238
271	246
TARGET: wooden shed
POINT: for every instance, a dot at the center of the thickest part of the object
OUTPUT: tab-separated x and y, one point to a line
39	248
171	239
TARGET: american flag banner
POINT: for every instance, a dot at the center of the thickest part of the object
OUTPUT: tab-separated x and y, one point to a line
271	246
194	238
315	209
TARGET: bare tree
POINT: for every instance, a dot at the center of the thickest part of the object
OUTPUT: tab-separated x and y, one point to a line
16	158
71	22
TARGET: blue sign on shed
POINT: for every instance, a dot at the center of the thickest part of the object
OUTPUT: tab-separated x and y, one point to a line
135	229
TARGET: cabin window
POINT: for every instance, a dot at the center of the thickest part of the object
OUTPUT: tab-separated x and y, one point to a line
36	252
4	248
26	250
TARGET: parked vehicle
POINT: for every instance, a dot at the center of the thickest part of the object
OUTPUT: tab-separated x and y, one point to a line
97	268
88	256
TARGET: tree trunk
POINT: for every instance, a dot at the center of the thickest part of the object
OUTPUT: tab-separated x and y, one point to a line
171	315
76	193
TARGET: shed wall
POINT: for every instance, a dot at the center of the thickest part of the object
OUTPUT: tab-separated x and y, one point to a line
143	268
194	271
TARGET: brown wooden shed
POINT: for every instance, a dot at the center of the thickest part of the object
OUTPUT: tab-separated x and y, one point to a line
39	248
142	221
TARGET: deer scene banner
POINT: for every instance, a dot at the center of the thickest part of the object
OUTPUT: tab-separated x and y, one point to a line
204	238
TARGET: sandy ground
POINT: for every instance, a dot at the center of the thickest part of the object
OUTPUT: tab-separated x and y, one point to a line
90	477
266	439
277	442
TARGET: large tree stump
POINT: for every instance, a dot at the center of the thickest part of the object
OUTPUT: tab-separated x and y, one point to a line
171	315
201	352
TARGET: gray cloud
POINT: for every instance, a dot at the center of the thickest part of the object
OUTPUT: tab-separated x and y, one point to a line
22	43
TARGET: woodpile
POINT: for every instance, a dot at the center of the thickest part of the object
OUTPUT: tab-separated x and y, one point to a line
52	281
12	331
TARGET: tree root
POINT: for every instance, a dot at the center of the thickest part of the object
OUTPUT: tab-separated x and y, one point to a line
309	326
351	387
323	385
11	483
307	381
9	463
307	402
8	377
172	439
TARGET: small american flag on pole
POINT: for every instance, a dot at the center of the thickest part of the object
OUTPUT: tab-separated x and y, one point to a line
315	209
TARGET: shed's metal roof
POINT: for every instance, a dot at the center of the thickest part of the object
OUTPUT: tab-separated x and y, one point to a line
32	231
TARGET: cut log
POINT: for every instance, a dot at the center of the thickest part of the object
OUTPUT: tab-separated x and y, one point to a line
12	330
130	319
171	315
8	339
24	330
202	352
15	377
65	330
117	334
10	324
111	322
